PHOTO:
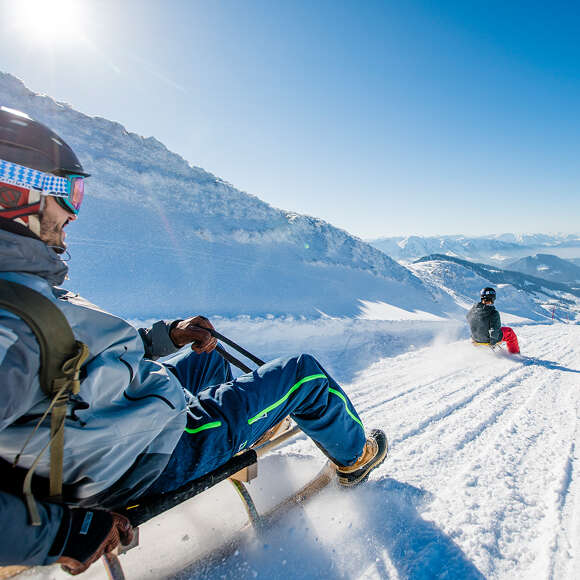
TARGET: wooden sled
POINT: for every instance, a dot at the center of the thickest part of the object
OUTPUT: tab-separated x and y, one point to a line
498	347
239	470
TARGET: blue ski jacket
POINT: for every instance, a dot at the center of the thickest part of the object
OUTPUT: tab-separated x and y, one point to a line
130	412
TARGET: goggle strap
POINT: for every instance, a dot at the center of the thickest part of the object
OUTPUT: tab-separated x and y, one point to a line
33	179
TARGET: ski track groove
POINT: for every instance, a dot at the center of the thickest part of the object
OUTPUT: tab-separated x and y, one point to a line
482	479
444	414
456	449
366	408
568	509
502	434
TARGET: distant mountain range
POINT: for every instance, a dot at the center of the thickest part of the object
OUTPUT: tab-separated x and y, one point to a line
494	249
519	294
550	268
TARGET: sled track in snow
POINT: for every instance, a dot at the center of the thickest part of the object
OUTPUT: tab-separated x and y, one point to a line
482	479
493	438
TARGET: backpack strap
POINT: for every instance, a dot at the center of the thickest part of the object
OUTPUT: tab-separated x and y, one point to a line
61	358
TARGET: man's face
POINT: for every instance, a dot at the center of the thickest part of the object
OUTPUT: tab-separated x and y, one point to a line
53	219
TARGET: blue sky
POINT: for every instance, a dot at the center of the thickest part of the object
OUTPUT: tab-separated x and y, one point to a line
383	118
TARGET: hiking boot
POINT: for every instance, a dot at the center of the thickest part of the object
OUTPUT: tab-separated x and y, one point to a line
374	453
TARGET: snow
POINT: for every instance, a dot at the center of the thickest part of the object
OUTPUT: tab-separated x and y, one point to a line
482	480
383	311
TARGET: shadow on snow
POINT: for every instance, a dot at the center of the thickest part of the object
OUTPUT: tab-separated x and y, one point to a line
382	534
548	364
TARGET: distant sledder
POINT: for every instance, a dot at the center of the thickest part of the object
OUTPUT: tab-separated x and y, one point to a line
485	324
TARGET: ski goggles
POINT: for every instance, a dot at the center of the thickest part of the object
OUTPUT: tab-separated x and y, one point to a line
68	190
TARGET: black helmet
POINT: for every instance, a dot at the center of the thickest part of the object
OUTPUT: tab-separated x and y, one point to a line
30	143
35	162
487	294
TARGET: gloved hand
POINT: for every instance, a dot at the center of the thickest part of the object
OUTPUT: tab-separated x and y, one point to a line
185	331
91	534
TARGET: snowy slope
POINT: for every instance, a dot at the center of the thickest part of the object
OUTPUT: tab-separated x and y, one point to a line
482	480
519	295
157	235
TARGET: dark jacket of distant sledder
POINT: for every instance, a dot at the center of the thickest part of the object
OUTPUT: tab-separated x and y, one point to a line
485	323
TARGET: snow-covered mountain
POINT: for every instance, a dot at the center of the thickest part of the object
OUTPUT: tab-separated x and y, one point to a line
157	235
549	267
497	249
519	295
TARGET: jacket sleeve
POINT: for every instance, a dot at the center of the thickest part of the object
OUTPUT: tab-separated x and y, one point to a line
23	544
469	314
470	321
495	334
157	340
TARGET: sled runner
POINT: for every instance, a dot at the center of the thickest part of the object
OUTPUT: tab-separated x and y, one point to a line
256	518
497	347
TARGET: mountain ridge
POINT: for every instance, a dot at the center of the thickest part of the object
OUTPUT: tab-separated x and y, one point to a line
520	294
495	248
183	236
548	267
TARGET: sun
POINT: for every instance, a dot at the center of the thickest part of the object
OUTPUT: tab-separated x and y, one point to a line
48	21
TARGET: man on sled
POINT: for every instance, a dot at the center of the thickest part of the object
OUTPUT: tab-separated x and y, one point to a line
129	425
485	324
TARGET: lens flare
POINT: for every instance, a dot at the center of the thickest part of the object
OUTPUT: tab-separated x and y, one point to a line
47	21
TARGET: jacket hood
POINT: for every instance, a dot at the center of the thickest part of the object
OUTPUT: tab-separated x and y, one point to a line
21	252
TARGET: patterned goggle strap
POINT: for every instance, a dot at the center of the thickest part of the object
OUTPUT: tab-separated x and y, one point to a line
33	179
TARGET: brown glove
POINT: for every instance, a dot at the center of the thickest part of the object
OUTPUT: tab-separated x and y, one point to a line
192	331
92	533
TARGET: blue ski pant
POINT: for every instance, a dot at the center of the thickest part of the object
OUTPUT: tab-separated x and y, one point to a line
227	415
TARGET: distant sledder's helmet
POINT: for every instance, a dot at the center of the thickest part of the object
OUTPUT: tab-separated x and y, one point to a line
487	294
35	162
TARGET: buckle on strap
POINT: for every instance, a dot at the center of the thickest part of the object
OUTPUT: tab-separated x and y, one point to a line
71	370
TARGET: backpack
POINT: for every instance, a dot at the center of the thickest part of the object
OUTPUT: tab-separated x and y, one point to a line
61	358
